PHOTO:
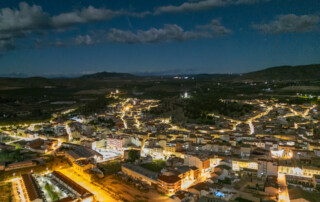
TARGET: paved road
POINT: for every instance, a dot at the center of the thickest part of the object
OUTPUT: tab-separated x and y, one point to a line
283	195
100	194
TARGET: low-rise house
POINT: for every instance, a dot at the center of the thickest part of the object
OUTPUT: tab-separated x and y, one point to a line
81	166
76	152
184	196
200	189
41	145
202	162
81	193
22	164
239	164
92	144
140	173
245	151
221	172
267	167
271	186
316	181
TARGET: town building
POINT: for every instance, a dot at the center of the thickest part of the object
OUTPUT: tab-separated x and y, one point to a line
31	189
79	192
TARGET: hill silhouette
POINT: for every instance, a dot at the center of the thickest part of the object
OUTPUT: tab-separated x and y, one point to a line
106	75
284	73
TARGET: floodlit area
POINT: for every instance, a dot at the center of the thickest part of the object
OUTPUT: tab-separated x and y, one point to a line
100	194
17	191
50	190
283	191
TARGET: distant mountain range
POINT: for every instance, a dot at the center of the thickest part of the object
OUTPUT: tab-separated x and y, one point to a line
284	73
106	75
14	75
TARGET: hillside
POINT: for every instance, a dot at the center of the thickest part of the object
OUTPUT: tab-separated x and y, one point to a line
284	73
26	82
107	75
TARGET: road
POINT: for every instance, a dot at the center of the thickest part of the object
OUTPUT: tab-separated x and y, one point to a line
283	192
100	194
249	121
19	139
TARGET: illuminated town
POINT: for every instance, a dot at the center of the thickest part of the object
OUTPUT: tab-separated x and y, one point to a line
257	157
160	101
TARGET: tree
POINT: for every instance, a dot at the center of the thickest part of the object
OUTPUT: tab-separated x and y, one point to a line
111	168
133	155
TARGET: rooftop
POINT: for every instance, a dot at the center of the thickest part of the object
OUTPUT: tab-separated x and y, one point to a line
31	187
76	187
169	179
141	170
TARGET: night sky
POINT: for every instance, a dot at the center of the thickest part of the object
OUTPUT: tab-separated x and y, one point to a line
68	37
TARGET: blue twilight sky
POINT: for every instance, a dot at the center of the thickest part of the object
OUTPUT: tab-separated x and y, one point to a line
67	37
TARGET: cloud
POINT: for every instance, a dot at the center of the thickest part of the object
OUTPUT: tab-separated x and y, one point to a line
20	22
138	15
192	6
170	32
289	24
86	15
91	14
79	40
28	19
24	19
83	40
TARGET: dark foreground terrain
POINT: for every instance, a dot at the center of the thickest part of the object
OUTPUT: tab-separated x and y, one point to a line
37	98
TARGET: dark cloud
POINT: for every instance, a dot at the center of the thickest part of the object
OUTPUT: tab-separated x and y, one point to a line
20	22
201	5
27	19
170	32
289	24
23	19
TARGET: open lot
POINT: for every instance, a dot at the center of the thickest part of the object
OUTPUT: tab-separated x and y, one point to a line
130	193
